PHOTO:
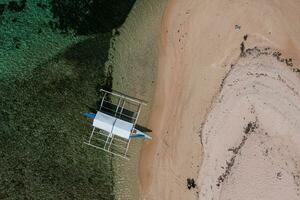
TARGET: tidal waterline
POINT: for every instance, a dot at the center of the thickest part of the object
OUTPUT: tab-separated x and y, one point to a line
134	59
50	73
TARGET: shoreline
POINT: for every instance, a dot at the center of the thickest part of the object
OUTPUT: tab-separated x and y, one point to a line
133	58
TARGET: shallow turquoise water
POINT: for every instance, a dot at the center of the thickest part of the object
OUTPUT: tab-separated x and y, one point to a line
37	41
47	80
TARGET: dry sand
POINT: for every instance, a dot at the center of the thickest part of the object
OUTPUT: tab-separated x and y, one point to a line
251	137
206	88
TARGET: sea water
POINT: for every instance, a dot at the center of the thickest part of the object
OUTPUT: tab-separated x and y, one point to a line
51	69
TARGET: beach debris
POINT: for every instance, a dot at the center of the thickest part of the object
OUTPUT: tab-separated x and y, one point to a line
296	179
288	61
279	175
296	70
242	47
266	152
190	183
251	126
237	27
201	132
255	52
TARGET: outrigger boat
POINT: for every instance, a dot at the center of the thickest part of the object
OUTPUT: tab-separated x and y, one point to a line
114	124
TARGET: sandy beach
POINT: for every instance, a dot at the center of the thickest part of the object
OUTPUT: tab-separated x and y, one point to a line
226	104
133	57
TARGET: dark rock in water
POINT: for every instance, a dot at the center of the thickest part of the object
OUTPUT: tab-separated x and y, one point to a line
92	110
14	20
190	183
14	6
18	45
17	42
51	25
90	17
2	8
117	32
15	39
42	5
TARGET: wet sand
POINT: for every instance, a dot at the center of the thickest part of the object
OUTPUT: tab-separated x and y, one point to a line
200	55
133	57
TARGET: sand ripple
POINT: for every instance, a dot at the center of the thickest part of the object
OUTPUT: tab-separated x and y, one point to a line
251	137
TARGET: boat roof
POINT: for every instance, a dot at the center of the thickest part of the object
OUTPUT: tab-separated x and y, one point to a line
113	125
